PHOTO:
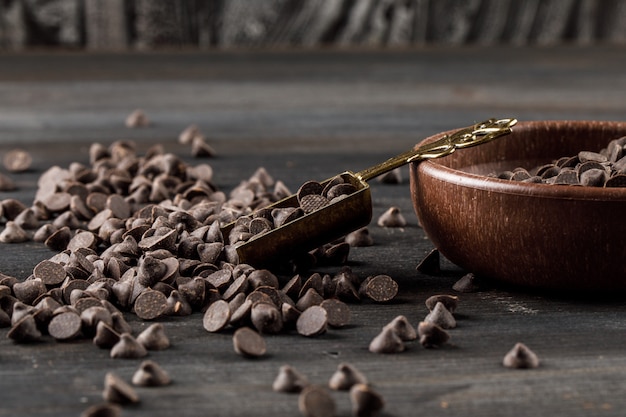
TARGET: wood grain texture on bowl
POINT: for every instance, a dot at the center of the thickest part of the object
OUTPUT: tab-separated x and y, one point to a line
535	235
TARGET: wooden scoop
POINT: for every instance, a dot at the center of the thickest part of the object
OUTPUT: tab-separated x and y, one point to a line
336	220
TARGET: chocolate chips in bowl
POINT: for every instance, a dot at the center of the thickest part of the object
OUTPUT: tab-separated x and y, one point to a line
538	234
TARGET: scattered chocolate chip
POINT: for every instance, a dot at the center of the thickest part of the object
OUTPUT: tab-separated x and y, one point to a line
6	184
150	374
310	298
431	335
360	238
345	377
266	318
154	337
50	273
440	316
17	160
450	302
387	341
128	348
65	326
365	401
379	288
289	380
25	330
431	264
106	337
392	177
13	233
249	343
338	312
137	119
150	304
520	357
313	321
316	401
401	326
217	316
391	218
116	390
466	284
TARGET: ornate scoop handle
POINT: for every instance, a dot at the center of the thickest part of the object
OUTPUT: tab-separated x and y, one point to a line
463	138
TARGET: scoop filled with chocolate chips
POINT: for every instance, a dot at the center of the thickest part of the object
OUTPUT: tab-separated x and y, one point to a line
321	212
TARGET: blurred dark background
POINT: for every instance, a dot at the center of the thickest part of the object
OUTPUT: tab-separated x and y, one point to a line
205	24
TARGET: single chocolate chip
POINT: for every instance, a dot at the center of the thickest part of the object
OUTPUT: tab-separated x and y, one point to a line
150	374
431	264
217	316
450	302
316	401
25	330
13	233
310	298
289	380
309	188
51	273
338	312
345	377
249	343
128	348
521	357
137	118
313	321
116	390
266	318
391	218
365	401
401	326
392	177
17	160
106	337
150	304
65	326
467	283
618	180
431	335
387	341
441	317
154	337
380	288
360	238
312	202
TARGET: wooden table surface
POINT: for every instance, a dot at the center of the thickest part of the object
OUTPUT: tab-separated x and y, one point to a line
310	115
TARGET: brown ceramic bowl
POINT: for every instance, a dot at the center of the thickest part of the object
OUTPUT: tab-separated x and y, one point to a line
536	235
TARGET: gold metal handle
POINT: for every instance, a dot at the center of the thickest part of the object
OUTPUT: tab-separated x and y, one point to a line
463	138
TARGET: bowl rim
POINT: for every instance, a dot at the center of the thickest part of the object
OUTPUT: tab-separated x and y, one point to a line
434	168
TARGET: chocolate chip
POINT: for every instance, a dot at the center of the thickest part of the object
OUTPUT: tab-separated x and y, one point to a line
431	264
440	316
17	160
313	202
360	238
266	318
106	337
137	118
150	374
310	298
116	390
313	321
387	341
345	377
217	316
249	343
6	184
450	302
380	288
154	337
338	312
65	326
128	348
431	335
309	188
13	233
50	273
150	304
25	330
391	218
316	401
467	283
289	380
401	326
366	402
521	357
